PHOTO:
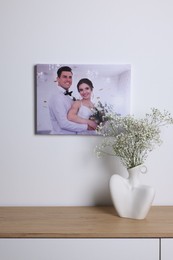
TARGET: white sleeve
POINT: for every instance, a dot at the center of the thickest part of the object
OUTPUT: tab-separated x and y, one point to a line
60	110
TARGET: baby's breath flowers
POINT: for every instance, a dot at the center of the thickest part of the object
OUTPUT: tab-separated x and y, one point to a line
130	138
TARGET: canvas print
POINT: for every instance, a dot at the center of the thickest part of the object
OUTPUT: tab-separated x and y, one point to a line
71	99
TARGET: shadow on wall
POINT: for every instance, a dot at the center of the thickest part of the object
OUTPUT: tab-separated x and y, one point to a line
110	165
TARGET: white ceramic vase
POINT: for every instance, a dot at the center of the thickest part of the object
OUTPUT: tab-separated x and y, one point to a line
130	198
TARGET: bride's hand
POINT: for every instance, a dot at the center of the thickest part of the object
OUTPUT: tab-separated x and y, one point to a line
92	125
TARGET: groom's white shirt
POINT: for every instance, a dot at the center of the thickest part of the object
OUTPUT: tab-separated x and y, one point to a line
59	105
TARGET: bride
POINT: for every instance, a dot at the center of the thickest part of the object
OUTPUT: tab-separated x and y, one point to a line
81	110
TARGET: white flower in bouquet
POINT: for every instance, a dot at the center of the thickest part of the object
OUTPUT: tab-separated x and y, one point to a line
130	138
99	112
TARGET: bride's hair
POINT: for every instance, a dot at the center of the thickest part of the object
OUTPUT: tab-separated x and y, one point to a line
86	81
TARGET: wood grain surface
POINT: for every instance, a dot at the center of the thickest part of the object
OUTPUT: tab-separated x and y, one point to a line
83	222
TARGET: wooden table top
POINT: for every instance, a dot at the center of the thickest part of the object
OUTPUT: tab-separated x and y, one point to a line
83	222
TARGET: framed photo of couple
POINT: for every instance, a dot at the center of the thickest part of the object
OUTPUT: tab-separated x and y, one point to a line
71	98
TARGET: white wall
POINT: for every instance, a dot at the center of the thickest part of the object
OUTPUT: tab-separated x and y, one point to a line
63	170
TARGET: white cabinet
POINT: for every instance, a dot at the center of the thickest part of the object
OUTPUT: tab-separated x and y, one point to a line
79	249
167	249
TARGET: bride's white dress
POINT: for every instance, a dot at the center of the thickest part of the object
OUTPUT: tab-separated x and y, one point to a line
85	112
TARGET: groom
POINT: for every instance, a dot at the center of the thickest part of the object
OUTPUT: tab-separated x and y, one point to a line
60	103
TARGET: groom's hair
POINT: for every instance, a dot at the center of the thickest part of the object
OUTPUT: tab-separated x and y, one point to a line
64	68
86	81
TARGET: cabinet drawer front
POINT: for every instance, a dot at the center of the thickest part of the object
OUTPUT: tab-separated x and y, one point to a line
79	249
167	249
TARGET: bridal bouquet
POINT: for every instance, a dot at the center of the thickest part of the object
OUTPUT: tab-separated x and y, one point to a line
130	138
100	112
